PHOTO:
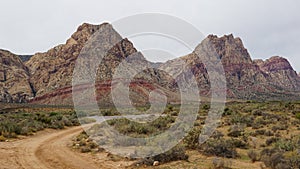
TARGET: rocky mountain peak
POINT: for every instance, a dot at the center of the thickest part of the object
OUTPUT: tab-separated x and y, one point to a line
85	31
230	49
275	63
14	79
9	59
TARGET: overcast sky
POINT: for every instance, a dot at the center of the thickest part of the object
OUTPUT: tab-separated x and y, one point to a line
267	27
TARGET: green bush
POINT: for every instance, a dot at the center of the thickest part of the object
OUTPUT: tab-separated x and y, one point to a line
157	126
2	138
285	145
24	123
297	115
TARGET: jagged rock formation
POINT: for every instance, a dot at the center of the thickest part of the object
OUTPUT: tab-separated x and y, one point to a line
280	73
52	72
47	77
15	86
246	79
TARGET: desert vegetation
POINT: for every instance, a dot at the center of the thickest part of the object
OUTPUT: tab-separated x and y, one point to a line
27	121
264	134
253	134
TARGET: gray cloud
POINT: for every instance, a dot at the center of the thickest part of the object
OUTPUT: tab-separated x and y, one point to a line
267	28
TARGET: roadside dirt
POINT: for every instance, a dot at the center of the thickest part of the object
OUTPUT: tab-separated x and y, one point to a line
49	149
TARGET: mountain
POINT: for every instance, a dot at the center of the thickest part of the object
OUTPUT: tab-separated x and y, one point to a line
46	78
273	79
14	79
280	73
52	71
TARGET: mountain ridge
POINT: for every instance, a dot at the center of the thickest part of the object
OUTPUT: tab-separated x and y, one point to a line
51	71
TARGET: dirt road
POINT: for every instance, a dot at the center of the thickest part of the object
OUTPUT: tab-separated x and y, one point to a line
48	149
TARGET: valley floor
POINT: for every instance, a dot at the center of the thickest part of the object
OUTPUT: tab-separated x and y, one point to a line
50	149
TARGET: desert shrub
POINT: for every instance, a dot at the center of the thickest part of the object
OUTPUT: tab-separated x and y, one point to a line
206	107
276	159
236	131
175	154
163	122
2	138
271	140
66	121
256	126
9	129
236	118
260	121
248	120
170	108
174	113
191	141
285	145
219	163
84	143
237	143
280	126
24	123
25	130
295	122
53	114
125	126
260	132
293	160
217	135
219	148
257	112
272	157
289	106
268	133
227	112
297	115
109	112
57	125
254	156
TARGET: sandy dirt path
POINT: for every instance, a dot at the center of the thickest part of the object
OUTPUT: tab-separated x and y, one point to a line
47	149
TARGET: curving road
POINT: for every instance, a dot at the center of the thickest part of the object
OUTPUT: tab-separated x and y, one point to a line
47	149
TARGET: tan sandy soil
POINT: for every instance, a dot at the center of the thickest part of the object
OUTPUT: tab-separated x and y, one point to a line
49	149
